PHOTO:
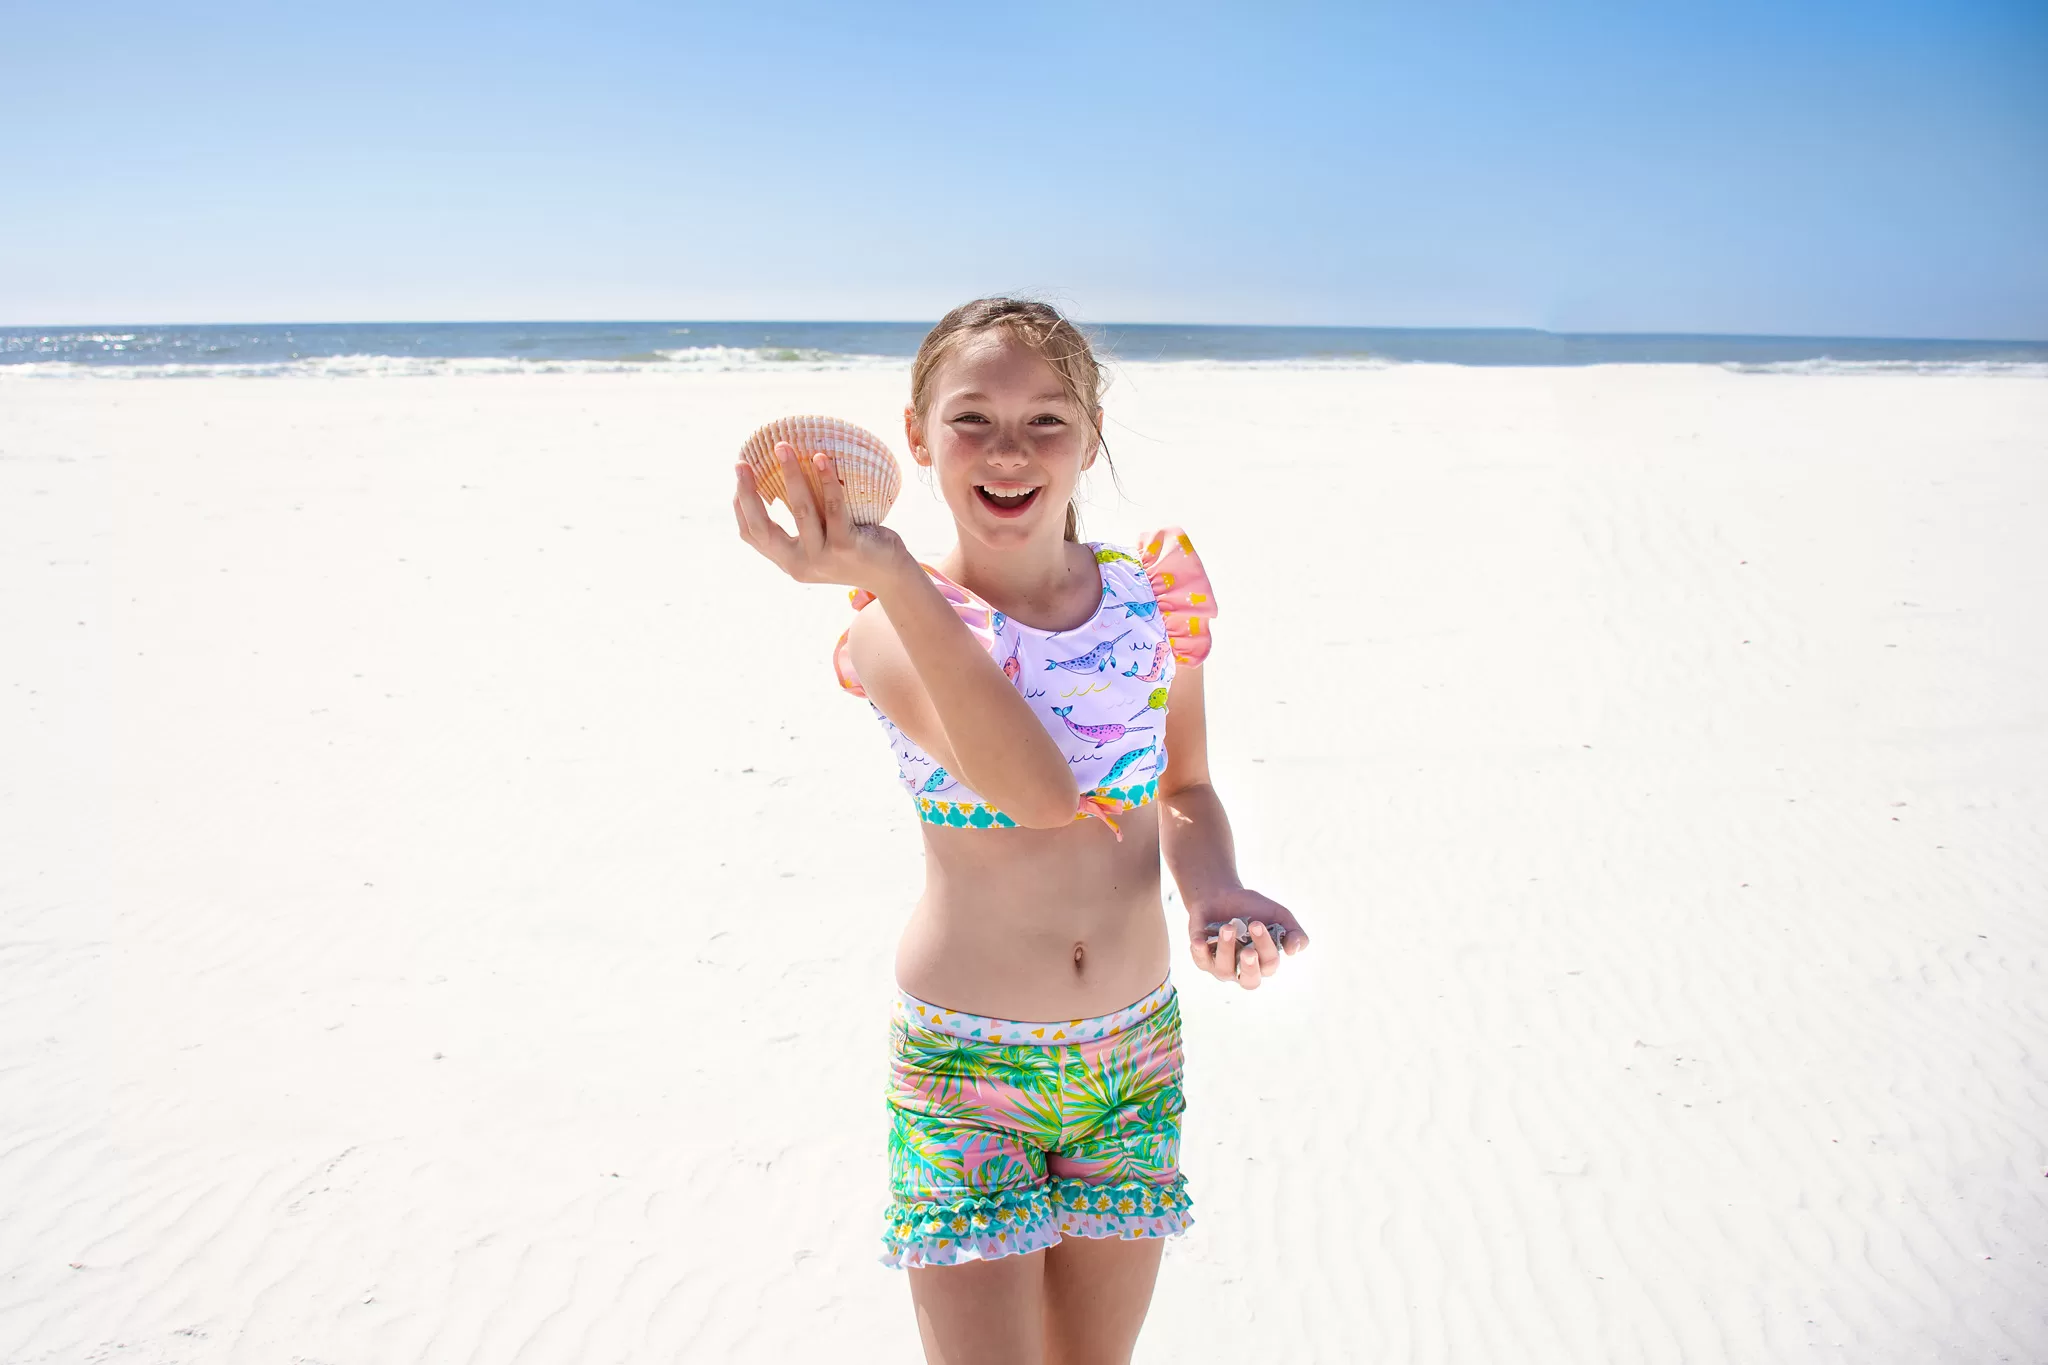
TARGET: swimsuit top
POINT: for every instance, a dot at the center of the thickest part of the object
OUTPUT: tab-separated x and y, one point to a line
1099	689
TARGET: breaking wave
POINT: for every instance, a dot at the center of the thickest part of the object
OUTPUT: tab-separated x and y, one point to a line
2025	369
689	359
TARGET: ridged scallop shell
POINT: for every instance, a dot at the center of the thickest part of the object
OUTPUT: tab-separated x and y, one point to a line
866	468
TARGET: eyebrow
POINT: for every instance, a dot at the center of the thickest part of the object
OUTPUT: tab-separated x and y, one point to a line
977	396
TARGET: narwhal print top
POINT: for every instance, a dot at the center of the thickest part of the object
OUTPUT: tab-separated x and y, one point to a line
1099	689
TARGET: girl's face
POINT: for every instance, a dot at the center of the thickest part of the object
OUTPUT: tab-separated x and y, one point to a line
1007	442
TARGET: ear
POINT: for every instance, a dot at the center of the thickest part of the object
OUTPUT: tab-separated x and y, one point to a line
914	436
1094	447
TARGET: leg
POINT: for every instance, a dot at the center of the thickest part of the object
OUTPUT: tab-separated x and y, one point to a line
983	1312
1114	1172
1096	1292
967	1130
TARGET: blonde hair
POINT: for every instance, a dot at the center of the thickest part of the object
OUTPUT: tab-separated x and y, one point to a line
1037	325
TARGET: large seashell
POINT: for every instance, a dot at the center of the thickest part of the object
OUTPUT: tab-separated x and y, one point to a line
867	470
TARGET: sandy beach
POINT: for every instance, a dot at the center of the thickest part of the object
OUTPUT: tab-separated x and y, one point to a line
447	907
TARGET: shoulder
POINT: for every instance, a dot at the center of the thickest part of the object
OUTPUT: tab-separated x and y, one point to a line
1180	583
868	629
872	663
871	642
1165	549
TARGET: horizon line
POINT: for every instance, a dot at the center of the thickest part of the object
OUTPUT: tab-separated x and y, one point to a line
922	322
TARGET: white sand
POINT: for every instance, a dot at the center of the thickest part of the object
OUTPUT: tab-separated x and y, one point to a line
446	908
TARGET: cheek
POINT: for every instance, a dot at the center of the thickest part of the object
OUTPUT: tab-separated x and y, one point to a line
1066	454
956	474
955	448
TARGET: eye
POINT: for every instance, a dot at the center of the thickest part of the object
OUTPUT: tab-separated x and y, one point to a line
969	417
1048	417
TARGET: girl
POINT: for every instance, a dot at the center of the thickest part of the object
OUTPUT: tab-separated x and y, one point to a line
1032	686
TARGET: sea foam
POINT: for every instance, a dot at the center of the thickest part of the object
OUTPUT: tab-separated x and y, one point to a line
691	359
1825	365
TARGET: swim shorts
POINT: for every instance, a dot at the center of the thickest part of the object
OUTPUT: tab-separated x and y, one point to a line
1005	1137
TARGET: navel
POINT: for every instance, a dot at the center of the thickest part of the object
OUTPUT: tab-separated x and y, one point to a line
1080	953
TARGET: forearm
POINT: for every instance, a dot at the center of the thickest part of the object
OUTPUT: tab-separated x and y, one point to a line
999	748
1194	836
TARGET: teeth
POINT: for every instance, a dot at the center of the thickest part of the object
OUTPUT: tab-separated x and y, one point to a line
1006	490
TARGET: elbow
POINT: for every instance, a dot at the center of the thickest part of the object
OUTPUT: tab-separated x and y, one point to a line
1048	808
1038	792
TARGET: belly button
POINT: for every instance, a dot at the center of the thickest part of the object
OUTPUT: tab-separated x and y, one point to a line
1080	951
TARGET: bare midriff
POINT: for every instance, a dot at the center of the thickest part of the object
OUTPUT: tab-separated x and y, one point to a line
1038	924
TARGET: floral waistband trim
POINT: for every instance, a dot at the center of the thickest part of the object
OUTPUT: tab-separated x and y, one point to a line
917	1013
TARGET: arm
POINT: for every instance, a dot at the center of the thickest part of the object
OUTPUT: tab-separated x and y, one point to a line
915	659
1194	836
920	664
1194	833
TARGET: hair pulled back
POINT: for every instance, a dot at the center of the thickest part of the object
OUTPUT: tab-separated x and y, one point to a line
1036	325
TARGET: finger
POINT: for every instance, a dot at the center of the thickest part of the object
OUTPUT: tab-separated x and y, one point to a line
832	494
796	491
759	529
1248	973
1296	939
1226	949
1267	950
744	487
746	501
1203	954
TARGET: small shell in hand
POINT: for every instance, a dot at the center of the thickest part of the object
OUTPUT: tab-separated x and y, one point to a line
1277	932
867	470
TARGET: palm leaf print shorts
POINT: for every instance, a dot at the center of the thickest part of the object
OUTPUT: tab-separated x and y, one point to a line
1005	1137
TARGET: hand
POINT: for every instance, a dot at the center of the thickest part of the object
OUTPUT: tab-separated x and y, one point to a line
1251	963
828	546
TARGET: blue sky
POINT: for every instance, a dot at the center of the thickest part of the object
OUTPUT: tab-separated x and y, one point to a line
1872	169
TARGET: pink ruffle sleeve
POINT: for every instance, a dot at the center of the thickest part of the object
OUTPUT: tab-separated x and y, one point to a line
1186	601
977	614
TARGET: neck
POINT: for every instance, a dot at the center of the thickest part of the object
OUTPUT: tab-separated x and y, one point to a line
1032	579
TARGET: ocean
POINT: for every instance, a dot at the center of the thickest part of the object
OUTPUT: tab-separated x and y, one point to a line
353	348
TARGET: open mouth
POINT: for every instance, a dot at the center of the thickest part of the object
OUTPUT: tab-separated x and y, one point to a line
1006	499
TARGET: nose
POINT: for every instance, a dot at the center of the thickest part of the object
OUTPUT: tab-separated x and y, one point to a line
1007	451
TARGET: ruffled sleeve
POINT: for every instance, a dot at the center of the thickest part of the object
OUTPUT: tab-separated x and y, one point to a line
982	621
1186	601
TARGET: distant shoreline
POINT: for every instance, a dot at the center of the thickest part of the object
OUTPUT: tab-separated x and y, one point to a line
342	349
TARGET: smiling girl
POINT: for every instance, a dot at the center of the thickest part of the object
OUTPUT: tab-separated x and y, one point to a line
1032	686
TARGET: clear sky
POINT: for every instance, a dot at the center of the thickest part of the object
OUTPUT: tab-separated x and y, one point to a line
1869	169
